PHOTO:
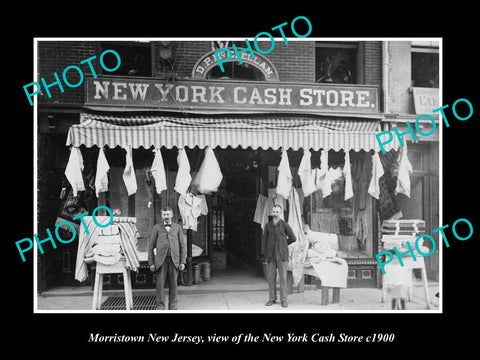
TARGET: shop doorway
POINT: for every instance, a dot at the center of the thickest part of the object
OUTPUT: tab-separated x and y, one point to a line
235	251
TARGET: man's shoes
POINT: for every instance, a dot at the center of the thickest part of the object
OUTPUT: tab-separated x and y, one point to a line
270	302
284	304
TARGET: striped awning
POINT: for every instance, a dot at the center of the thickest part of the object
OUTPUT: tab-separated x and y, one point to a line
266	132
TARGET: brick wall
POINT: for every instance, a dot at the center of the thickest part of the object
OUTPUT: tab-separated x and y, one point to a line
400	100
294	62
55	56
372	59
185	55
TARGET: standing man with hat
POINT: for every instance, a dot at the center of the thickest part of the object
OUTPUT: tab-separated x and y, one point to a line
167	254
275	240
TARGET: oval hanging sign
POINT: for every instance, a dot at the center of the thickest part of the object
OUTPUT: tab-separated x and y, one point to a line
208	61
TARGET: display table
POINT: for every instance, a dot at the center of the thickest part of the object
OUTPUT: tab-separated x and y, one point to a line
327	274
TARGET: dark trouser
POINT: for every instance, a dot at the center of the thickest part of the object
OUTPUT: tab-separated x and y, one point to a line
167	270
272	279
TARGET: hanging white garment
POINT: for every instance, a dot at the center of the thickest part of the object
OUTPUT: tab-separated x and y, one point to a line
320	173
347	172
129	173
377	173
203	205
297	251
404	170
322	178
73	171
158	172
284	180
183	179
101	178
261	211
307	176
190	207
209	175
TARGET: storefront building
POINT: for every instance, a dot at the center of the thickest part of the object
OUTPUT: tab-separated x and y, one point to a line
307	96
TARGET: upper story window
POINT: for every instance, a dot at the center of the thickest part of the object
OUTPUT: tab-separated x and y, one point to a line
425	64
136	58
336	62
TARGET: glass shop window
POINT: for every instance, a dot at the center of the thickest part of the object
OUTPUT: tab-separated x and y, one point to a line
425	64
136	58
336	62
351	220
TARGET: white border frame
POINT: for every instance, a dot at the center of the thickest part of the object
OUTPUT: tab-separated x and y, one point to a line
283	311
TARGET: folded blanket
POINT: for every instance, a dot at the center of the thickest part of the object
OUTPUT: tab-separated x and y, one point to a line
331	272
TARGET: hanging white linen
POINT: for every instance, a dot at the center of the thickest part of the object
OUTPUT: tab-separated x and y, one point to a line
158	172
209	175
297	251
284	180
129	173
322	177
307	177
377	173
183	179
404	171
73	171
347	172
101	177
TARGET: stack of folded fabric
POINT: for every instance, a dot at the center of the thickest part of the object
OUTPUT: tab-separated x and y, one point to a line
396	233
413	227
107	248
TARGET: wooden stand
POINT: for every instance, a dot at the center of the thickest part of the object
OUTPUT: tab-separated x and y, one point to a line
410	264
325	289
326	293
118	268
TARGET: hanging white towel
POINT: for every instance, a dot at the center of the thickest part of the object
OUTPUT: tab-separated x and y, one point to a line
183	179
129	173
377	173
404	170
322	177
320	173
307	177
347	172
261	216
297	251
284	180
101	178
209	175
158	172
73	171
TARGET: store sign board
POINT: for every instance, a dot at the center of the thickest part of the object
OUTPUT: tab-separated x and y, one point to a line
425	99
231	96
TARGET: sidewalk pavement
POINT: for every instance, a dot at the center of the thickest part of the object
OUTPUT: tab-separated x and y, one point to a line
243	293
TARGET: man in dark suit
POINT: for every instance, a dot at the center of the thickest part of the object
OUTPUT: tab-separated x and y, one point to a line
167	253
275	240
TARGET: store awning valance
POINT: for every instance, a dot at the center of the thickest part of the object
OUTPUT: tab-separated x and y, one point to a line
266	132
